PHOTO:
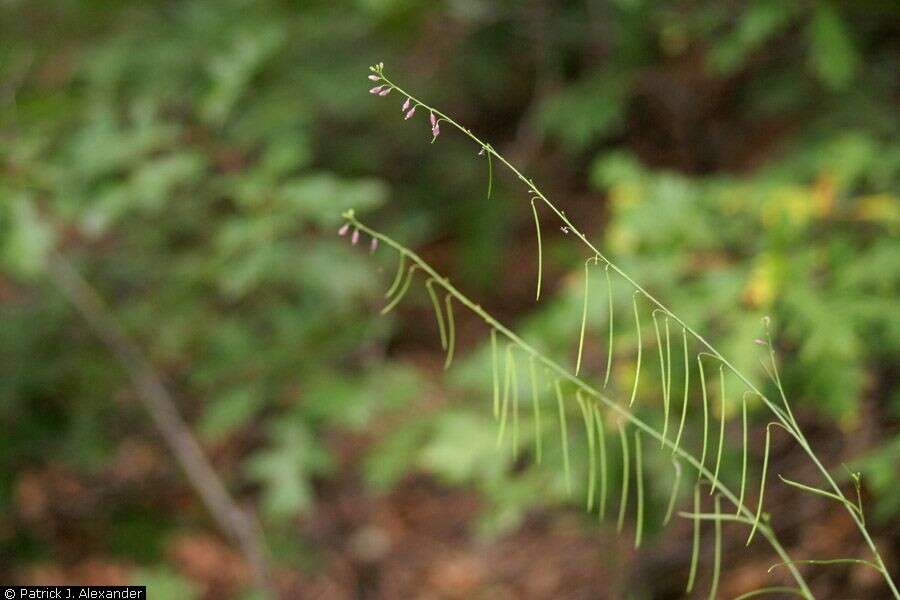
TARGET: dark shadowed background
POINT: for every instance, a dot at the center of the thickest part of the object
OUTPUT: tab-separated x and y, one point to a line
187	163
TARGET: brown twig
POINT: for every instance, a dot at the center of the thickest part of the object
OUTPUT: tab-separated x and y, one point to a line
236	523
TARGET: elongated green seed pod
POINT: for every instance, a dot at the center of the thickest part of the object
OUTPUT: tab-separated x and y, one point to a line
507	385
537	229
515	410
623	500
601	443
705	417
397	278
743	452
639	478
588	416
695	549
438	312
537	408
637	371
687	379
668	379
584	309
717	550
673	495
609	350
402	292
762	483
721	427
451	331
662	377
564	437
496	373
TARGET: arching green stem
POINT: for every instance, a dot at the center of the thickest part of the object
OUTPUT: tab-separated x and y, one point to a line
785	418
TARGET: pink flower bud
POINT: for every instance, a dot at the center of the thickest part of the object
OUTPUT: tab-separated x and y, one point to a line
355	237
436	130
433	120
385	91
373	245
410	113
406	104
481	152
343	229
376	89
374	77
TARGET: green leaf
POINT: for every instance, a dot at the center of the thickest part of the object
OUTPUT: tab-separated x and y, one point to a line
25	240
286	468
832	52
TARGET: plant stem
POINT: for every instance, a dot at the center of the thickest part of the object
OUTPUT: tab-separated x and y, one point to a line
564	374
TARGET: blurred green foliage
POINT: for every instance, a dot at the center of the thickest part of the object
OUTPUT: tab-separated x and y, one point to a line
194	160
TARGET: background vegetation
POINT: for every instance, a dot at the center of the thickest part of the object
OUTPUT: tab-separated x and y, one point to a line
192	160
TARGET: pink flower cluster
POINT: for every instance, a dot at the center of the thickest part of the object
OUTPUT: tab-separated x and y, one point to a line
354	238
409	105
435	125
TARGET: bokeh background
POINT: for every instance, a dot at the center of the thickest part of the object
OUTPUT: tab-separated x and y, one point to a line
191	161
